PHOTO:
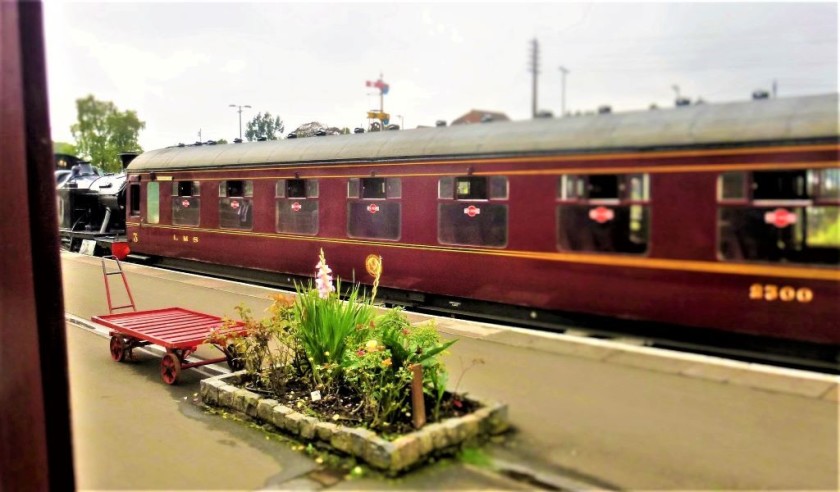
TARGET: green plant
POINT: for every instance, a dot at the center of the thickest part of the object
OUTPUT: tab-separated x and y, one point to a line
381	373
268	351
384	389
325	324
409	345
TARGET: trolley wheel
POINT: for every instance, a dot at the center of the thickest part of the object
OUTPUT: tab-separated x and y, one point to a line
234	358
118	348
170	368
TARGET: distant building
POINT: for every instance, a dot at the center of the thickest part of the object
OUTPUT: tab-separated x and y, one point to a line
478	116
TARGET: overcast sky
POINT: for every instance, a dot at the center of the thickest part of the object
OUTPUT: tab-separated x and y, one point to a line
180	66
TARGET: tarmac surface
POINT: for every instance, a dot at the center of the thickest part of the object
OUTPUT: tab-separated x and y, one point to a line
584	417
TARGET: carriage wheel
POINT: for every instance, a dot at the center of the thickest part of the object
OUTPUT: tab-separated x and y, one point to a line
234	358
118	348
170	368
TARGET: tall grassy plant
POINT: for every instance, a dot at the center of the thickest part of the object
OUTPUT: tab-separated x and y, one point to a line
326	324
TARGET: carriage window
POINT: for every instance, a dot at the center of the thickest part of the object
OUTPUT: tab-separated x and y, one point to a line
446	188
296	206
779	185
498	188
153	203
291	188
607	213
479	214
732	186
471	188
786	216
828	184
236	204
186	205
604	187
236	188
296	188
373	188
570	187
381	219
134	208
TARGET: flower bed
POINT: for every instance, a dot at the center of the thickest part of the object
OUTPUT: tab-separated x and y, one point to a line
396	455
335	372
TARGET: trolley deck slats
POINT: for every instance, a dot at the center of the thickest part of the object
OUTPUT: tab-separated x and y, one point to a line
173	328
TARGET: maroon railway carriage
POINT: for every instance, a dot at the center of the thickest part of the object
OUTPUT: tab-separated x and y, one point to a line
719	216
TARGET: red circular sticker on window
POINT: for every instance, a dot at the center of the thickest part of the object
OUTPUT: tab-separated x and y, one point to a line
373	208
472	211
185	203
234	204
296	207
601	214
780	218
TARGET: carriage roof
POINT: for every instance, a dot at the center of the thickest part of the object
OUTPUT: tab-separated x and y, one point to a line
761	121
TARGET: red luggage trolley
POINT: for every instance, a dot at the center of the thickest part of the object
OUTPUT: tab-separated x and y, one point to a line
179	331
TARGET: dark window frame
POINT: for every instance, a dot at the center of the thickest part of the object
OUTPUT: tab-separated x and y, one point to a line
135	205
744	233
245	208
362	190
629	201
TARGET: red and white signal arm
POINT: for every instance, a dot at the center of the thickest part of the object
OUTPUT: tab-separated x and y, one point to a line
780	218
373	208
296	207
472	211
601	214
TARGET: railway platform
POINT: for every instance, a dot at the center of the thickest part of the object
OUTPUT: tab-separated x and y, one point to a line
587	414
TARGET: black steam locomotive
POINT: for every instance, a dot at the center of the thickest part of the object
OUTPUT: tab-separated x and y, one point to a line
91	208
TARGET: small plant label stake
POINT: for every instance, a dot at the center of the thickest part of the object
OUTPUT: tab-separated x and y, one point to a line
418	406
315	395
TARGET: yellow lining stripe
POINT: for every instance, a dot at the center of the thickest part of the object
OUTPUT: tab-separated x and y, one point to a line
559	172
592	259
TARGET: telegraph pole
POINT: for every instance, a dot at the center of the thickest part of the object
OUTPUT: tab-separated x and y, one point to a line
563	72
535	54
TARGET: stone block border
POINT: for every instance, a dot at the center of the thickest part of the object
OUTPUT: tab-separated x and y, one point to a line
393	456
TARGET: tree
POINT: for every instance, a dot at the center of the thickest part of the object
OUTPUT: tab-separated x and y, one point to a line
102	132
221	141
264	126
64	148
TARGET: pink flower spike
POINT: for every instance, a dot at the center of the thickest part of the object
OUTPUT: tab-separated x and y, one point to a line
323	279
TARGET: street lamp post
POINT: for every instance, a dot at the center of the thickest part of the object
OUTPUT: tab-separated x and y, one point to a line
240	116
401	121
563	71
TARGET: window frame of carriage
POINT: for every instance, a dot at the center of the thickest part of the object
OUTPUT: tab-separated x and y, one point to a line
814	180
387	190
575	188
494	188
188	188
246	193
814	196
134	203
615	190
296	189
475	188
